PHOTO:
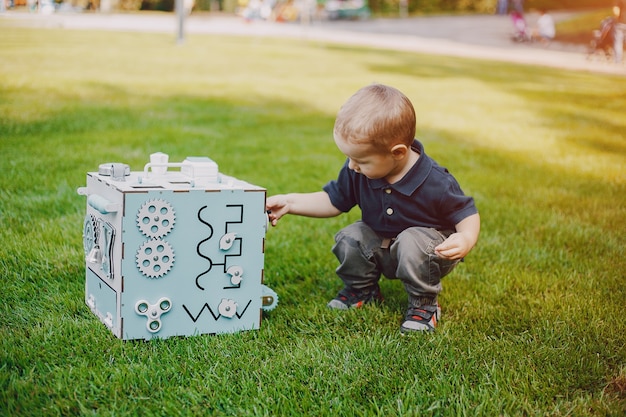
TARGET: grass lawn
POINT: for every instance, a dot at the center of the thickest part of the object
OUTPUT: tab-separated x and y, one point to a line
533	321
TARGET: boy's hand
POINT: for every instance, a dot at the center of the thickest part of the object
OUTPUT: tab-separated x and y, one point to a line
458	244
276	207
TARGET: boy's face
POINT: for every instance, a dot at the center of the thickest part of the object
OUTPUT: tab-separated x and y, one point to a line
365	161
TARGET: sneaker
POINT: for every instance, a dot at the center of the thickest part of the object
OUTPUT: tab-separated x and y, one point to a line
352	298
421	319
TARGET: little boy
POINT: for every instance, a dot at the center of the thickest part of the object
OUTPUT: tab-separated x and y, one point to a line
416	222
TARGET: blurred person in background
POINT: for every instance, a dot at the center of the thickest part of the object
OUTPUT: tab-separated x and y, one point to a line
544	30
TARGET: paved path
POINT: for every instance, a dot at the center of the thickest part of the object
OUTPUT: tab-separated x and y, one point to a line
482	36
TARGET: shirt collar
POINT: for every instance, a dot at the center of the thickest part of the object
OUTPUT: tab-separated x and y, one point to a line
413	179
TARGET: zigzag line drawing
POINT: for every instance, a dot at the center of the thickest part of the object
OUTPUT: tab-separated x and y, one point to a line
215	317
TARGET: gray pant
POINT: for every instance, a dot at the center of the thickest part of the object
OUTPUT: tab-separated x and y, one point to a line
364	256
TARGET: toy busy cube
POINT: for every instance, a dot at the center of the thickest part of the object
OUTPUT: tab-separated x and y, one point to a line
174	252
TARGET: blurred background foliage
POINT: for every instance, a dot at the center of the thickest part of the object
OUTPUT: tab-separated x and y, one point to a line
377	7
382	7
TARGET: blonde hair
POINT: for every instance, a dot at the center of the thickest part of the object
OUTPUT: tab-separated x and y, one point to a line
376	115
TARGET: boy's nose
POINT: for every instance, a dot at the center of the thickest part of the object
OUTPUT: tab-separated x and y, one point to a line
353	166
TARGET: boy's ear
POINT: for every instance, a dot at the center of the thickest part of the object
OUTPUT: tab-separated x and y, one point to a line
399	151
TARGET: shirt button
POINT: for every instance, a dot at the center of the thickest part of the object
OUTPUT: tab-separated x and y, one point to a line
390	211
388	190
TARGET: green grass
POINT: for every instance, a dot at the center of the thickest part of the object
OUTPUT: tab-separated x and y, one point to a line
533	321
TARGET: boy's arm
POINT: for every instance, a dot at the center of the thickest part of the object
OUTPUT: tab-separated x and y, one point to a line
308	204
458	244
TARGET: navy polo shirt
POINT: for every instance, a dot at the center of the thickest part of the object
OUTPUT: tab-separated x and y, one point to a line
427	196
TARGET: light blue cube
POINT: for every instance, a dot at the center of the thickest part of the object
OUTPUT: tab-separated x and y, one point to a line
174	250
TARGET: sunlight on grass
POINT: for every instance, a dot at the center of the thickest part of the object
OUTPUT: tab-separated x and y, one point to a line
532	321
207	68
